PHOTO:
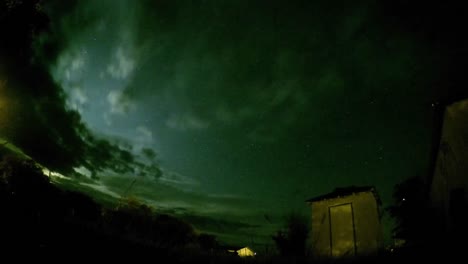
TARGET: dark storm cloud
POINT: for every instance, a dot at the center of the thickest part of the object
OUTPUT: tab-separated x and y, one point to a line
263	66
268	67
34	112
305	73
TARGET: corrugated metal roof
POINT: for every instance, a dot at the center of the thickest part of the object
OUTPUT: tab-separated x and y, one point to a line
345	191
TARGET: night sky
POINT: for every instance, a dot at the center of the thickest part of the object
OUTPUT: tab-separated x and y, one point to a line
233	113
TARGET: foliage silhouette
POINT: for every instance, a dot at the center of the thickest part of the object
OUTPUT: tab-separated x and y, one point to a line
292	240
36	117
36	214
416	220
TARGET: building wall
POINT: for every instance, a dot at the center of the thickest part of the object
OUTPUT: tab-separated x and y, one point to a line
367	237
449	188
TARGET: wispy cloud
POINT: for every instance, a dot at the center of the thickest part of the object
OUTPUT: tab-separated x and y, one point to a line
122	64
69	72
77	98
77	63
119	103
268	113
220	214
176	190
178	180
145	136
228	115
101	188
186	121
70	66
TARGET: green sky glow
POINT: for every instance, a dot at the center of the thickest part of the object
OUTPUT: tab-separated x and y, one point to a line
252	107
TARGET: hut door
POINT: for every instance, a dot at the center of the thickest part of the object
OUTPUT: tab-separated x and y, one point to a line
342	240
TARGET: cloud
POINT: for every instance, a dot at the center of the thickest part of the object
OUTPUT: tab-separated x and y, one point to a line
122	64
221	214
79	96
77	63
185	122
222	222
142	142
212	224
101	188
178	180
77	99
281	113
232	116
42	121
71	66
119	102
175	190
107	118
267	113
145	135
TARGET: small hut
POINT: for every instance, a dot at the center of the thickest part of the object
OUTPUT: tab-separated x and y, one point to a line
243	252
346	223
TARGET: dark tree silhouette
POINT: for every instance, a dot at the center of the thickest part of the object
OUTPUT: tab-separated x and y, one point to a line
138	222
207	242
416	221
292	240
25	198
